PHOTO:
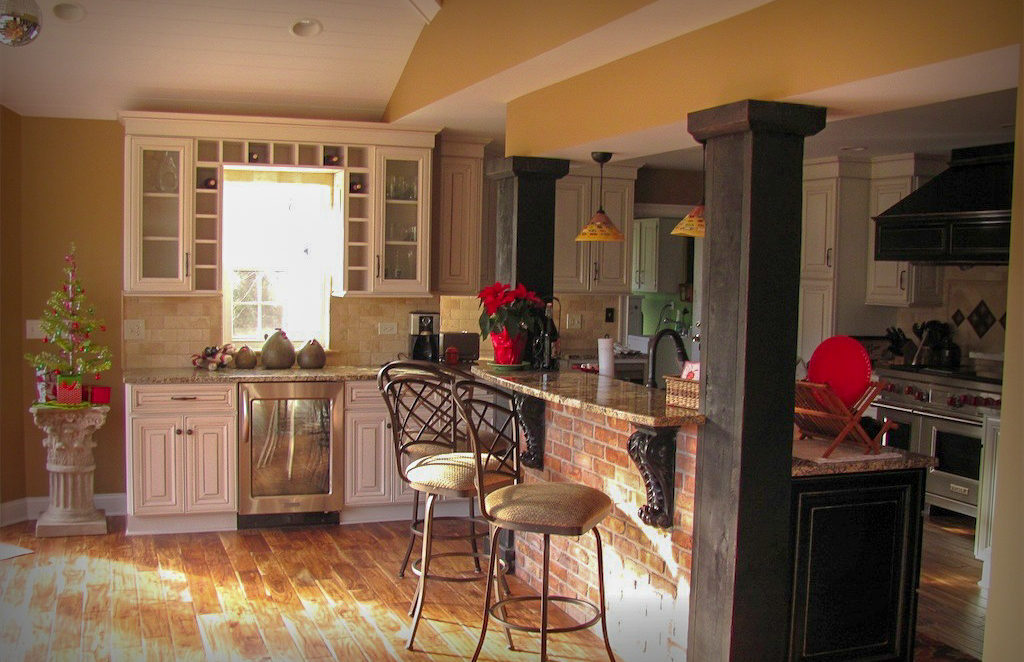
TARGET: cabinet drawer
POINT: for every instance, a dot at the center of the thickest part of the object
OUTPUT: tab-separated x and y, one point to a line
179	398
363	395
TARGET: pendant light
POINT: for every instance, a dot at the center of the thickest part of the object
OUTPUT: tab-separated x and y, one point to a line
19	22
600	227
692	224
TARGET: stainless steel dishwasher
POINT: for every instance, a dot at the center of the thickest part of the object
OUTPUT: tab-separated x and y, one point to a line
290	447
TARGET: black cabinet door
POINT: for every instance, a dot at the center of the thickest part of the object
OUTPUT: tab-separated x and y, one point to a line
857	550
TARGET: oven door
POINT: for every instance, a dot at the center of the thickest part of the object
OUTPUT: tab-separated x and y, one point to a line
907	433
957	445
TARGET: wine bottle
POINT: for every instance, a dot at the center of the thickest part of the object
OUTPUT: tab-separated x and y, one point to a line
548	337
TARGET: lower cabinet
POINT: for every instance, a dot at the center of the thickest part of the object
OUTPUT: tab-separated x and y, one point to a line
181	451
857	558
371	475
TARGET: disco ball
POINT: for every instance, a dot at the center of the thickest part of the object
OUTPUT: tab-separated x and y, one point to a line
19	22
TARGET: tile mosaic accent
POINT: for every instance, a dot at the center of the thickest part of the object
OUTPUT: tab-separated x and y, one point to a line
958	317
981	319
1002	321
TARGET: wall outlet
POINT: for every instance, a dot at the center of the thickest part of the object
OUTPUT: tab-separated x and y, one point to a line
135	329
387	328
573	321
34	330
609	314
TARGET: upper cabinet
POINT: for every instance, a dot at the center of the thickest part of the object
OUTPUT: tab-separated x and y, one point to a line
660	259
174	203
461	242
900	283
593	266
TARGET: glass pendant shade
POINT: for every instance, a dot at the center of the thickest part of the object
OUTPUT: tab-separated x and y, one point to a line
600	227
692	224
19	22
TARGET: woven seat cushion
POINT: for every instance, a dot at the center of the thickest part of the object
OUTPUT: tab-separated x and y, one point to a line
450	474
566	509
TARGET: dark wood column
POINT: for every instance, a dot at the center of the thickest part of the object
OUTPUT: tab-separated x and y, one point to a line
526	220
739	599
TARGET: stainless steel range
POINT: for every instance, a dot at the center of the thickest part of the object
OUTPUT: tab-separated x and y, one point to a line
941	413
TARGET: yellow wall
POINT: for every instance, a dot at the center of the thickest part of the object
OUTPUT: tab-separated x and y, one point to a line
71	190
784	48
12	447
470	40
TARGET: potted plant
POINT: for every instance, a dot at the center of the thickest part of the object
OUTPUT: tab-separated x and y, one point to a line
509	316
68	323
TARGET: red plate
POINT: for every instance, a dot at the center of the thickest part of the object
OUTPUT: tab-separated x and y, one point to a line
843	364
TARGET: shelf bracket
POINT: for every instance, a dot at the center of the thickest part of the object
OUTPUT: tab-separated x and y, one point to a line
530	412
653	450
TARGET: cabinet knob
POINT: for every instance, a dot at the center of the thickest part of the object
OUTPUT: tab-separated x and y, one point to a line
189	431
177	431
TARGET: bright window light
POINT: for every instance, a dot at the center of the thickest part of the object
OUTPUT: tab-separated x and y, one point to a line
282	231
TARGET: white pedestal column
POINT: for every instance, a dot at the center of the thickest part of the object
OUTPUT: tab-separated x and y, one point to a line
71	465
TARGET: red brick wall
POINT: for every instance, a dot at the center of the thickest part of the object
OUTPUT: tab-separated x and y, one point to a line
647	569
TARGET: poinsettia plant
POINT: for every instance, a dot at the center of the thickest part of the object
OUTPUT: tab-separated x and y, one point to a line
513	310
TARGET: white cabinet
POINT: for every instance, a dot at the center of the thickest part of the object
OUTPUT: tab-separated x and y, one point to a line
181	454
598	266
818	245
899	283
659	261
458	238
401	241
371	474
817	315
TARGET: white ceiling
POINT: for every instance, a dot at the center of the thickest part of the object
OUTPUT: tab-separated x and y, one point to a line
239	57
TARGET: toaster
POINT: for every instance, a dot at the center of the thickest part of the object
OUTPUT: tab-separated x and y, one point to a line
467	344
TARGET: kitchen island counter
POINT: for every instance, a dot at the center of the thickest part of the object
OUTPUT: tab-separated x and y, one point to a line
232	375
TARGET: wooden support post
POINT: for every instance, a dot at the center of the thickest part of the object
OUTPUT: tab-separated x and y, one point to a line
739	599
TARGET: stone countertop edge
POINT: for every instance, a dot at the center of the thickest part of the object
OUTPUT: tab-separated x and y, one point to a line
596	394
906	460
232	375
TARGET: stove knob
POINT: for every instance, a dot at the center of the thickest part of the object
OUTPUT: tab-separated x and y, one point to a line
909	390
953	401
977	401
998	403
921	395
990	402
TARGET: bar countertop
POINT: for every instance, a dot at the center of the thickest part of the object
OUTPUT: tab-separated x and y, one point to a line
229	375
600	395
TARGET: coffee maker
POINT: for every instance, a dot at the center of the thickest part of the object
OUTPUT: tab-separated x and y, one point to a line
423	336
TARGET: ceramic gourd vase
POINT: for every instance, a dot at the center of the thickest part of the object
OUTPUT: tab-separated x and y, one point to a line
245	358
312	355
278	352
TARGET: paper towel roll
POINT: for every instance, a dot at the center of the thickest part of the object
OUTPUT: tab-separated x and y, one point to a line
605	357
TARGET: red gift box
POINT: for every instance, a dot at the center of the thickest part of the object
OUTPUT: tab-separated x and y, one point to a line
97	395
69	390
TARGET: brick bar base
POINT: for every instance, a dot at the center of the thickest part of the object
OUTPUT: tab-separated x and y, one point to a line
647	569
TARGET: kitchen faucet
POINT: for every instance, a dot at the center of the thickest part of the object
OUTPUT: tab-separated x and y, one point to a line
652	350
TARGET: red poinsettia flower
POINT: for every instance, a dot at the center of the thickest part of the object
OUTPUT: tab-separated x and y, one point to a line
512	310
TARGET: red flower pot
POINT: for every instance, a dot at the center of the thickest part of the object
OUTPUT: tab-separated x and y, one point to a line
508	351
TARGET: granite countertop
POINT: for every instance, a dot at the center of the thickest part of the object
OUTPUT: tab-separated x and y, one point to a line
850	459
232	375
601	395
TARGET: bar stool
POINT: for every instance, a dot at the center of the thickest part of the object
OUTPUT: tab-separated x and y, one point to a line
563	509
426	442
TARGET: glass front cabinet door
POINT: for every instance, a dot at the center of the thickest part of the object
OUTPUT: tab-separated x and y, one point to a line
403	226
157	247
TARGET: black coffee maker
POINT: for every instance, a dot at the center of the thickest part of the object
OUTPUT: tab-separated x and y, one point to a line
423	336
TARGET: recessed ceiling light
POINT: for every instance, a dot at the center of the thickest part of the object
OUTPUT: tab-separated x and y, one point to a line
72	12
851	148
307	27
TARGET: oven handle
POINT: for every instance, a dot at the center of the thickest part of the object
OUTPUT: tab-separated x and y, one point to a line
886	405
965	421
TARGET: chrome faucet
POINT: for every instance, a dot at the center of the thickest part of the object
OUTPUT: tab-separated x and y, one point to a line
652	350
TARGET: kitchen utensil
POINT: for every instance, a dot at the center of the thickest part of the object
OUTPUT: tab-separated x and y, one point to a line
312	355
278	352
843	364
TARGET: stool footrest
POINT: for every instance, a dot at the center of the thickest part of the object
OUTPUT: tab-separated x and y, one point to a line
497	606
417	564
416	528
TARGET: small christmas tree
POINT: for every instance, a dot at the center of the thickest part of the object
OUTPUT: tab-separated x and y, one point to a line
68	324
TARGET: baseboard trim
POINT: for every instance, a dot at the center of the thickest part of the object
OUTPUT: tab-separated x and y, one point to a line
29	508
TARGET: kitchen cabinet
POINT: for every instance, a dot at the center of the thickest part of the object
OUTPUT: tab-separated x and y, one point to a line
901	283
659	259
459	252
856	542
401	236
593	266
371	474
181	456
158	204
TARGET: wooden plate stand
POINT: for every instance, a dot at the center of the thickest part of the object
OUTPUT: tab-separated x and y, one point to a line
820	414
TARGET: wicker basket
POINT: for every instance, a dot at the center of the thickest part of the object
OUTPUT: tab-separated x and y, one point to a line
682	392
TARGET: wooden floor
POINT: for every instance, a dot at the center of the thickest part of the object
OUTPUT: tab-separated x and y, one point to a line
320	593
302	593
951	605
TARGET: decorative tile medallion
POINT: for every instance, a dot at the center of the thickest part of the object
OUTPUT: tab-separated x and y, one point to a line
958	317
1002	321
981	319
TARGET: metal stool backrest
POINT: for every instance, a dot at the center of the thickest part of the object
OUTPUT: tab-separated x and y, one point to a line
488	417
418	395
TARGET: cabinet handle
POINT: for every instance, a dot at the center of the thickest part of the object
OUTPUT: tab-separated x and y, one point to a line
187	255
828	258
597	271
903	280
377	257
189	431
183	397
177	431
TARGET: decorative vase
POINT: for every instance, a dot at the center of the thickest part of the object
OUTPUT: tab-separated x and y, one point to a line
312	355
278	352
508	351
245	358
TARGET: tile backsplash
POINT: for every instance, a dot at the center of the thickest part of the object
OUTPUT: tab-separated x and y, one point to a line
974	305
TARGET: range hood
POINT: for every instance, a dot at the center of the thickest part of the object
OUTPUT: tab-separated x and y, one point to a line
962	216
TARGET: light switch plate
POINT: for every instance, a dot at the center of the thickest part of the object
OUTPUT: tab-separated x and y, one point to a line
34	330
573	321
135	329
387	328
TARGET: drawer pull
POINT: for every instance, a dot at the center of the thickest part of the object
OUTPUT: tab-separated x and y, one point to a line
189	431
184	397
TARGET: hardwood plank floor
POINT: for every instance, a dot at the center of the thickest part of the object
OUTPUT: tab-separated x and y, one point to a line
322	593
